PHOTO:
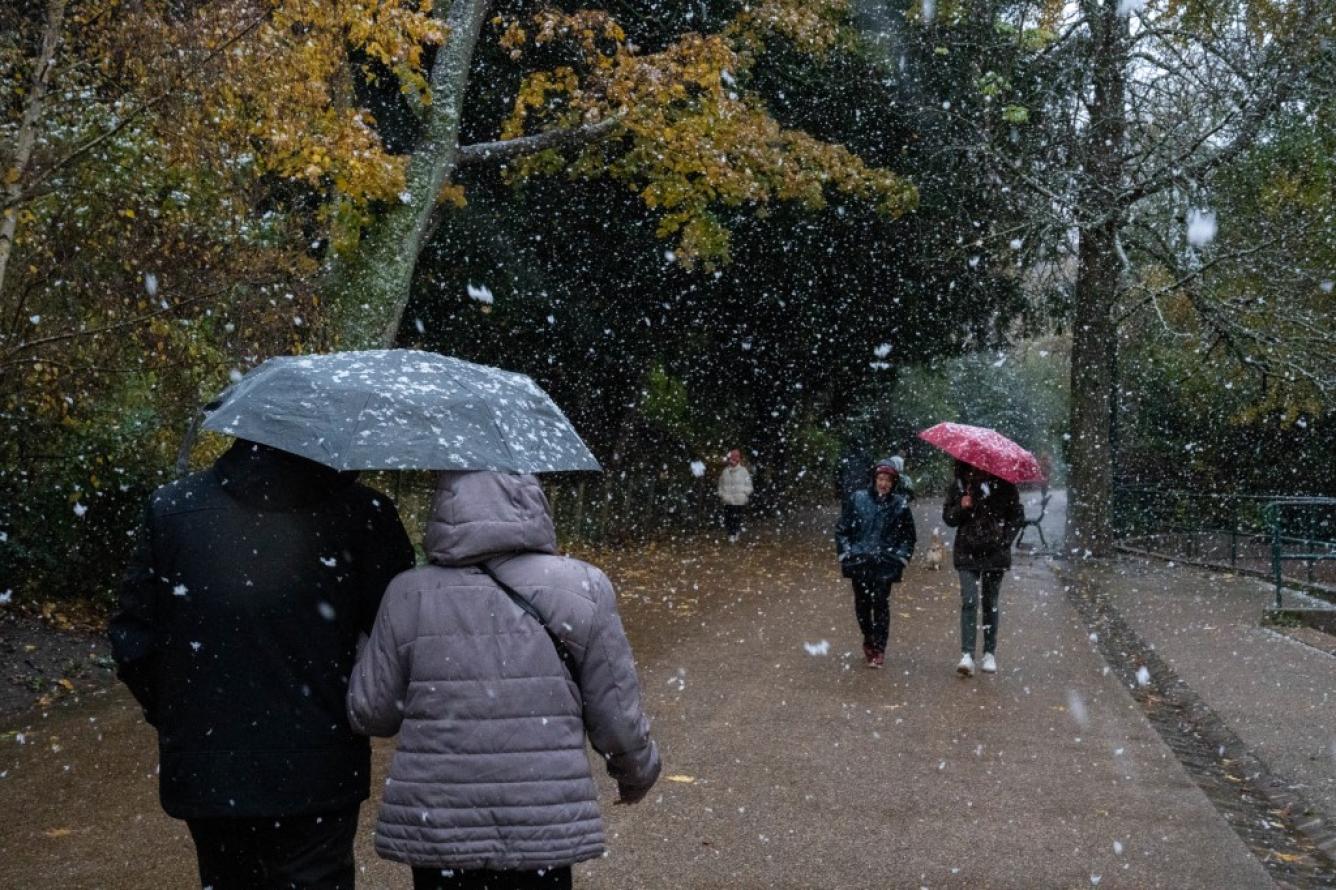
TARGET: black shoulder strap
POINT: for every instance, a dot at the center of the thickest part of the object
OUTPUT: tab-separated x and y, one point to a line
563	652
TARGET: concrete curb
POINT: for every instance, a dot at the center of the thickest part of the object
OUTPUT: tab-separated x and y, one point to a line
1279	819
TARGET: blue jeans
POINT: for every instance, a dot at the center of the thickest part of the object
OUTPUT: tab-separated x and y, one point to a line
970	582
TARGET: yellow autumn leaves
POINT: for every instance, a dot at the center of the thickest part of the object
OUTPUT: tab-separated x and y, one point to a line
692	139
278	94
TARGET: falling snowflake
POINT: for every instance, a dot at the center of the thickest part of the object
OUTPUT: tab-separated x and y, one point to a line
481	293
821	648
180	590
882	351
1201	227
1077	708
1143	676
697	468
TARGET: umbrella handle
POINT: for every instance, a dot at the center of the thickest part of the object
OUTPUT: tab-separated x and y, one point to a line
188	444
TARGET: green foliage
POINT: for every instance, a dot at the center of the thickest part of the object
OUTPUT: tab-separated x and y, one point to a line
665	402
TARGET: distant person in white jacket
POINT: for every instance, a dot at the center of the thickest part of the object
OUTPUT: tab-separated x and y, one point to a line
735	487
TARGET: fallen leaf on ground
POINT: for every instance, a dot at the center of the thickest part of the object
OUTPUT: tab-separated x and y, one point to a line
57	832
685	780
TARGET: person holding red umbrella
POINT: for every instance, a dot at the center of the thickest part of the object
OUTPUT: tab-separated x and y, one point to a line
987	515
984	507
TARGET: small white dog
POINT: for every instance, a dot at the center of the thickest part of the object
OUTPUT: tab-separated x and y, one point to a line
936	552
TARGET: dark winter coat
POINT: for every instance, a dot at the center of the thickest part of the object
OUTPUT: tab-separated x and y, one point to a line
875	536
985	531
491	769
238	627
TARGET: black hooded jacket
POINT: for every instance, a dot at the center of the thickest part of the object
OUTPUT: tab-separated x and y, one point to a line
238	627
986	530
875	537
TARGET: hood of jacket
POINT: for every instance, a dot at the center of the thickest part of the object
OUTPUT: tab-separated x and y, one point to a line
475	516
266	478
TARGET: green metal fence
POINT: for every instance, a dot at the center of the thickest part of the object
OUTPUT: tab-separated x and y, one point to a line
1291	540
1302	530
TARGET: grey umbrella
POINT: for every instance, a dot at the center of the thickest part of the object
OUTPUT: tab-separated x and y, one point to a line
400	409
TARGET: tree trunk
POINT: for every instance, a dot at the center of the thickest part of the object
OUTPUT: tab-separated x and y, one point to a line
1088	509
1089	520
369	288
12	176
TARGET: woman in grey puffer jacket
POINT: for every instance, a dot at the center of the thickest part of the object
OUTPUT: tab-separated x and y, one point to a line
491	774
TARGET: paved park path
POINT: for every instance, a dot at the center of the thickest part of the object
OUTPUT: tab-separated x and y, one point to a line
787	763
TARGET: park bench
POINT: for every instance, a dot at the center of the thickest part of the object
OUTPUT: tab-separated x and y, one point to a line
1037	522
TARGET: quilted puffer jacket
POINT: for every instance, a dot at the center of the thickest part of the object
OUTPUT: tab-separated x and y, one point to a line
491	769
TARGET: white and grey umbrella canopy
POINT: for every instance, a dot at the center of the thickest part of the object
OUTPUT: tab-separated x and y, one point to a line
400	409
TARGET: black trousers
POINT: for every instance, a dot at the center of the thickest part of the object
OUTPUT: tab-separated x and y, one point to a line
486	879
733	518
872	607
313	852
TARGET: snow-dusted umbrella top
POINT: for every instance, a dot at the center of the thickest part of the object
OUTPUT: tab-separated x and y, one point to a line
986	449
400	409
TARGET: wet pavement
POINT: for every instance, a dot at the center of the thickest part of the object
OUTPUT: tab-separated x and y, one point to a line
787	763
1276	693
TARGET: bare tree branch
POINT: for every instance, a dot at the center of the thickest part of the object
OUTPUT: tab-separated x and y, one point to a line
510	149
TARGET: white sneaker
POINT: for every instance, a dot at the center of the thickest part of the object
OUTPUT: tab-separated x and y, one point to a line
966	666
989	664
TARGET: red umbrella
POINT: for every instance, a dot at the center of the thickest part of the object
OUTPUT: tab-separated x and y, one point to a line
986	449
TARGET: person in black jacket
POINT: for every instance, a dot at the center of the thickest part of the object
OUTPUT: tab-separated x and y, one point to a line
238	628
874	540
987	515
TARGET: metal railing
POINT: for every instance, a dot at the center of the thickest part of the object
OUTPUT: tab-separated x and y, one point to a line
1307	523
1264	535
